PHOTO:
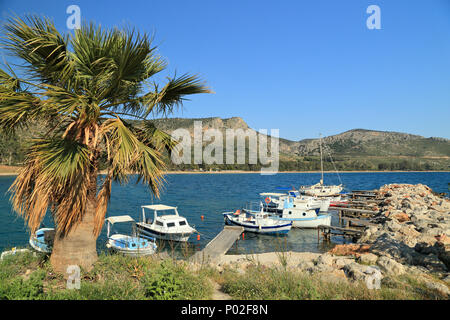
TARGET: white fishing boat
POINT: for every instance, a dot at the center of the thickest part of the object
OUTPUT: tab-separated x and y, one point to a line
133	245
276	202
304	218
302	215
42	240
257	222
319	189
170	226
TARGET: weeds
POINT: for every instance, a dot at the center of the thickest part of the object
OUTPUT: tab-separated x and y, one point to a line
25	276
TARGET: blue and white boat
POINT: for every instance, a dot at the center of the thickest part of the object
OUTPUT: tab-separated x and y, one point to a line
302	215
275	202
301	218
42	240
257	222
133	245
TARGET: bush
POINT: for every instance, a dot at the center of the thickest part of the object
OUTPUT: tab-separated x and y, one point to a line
172	281
19	288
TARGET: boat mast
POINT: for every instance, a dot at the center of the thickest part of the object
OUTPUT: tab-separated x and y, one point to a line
321	160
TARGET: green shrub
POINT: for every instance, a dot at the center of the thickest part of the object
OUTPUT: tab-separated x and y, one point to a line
19	288
172	281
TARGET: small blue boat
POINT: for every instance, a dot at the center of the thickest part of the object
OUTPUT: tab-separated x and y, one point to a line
133	245
42	240
257	222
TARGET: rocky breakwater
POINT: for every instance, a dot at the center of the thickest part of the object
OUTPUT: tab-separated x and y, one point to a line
411	238
413	229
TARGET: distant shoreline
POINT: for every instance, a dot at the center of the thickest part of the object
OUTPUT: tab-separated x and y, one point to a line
12	171
242	172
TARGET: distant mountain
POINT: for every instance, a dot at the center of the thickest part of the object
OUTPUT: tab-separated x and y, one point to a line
378	143
357	149
360	142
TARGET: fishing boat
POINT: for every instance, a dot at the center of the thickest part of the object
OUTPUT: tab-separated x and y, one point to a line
170	226
319	189
257	222
133	245
301	218
276	202
42	240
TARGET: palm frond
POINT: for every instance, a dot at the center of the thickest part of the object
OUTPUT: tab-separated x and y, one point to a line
37	42
128	154
55	174
18	109
172	95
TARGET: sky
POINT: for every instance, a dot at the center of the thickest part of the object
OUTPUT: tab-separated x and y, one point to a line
304	67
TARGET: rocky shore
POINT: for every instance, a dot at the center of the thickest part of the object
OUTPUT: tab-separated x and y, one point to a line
412	236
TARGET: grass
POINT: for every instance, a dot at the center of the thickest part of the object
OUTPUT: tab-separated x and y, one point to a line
28	276
24	276
261	283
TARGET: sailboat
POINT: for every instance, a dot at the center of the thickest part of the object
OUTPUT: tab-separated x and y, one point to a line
319	189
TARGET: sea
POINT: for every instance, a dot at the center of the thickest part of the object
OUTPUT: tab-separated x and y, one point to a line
209	195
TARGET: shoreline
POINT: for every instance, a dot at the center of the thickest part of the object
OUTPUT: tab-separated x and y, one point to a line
12	173
245	172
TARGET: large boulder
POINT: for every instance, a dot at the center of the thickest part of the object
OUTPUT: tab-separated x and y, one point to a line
368	258
390	266
439	287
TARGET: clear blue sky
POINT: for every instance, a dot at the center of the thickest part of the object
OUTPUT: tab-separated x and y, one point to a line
304	67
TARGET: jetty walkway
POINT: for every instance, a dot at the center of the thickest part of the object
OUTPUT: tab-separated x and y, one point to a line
218	246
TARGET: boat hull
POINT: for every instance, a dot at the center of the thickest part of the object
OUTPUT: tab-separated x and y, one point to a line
310	222
145	231
130	245
130	252
277	229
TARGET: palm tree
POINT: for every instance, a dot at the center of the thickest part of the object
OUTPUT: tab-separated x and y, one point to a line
84	88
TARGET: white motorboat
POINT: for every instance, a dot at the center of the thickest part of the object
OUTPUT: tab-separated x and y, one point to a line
170	226
257	222
319	189
42	240
134	245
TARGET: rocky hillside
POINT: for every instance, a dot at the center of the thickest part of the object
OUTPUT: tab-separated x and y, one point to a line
172	124
378	143
356	149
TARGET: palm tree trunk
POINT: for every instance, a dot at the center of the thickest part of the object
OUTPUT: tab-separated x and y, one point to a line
78	247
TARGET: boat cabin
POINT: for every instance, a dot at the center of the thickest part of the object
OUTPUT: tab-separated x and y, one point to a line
164	216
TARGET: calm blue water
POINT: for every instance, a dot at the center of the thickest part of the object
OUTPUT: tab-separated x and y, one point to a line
210	195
